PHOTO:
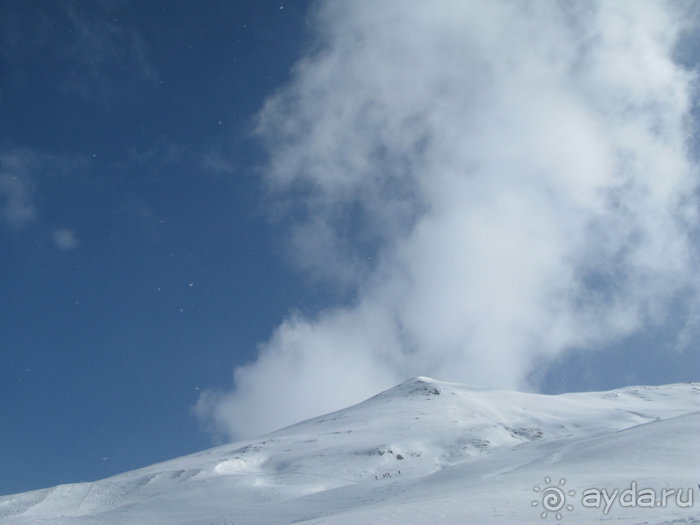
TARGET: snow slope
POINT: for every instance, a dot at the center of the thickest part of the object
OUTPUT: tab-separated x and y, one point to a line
422	452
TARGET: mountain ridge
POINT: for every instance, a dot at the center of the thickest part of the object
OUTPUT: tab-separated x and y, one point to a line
421	441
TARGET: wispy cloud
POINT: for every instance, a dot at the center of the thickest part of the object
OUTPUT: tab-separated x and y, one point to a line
27	177
106	49
100	38
216	162
495	183
65	239
101	51
16	203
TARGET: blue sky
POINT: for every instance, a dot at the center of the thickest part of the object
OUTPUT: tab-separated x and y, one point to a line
177	201
127	126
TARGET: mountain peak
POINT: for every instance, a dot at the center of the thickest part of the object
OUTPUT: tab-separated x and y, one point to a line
422	449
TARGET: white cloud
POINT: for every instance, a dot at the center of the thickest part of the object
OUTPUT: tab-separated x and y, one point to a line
65	239
496	182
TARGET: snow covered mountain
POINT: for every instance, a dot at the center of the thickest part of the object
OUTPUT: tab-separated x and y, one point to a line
422	452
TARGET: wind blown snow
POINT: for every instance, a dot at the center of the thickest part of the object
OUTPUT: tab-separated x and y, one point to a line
492	183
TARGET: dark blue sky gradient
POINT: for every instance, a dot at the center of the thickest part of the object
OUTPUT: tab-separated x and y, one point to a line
131	123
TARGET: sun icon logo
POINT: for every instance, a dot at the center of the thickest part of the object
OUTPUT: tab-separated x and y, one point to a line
553	498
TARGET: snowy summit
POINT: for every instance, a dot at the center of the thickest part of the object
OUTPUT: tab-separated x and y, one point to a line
424	451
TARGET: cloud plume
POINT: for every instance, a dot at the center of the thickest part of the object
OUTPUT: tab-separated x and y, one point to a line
493	183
